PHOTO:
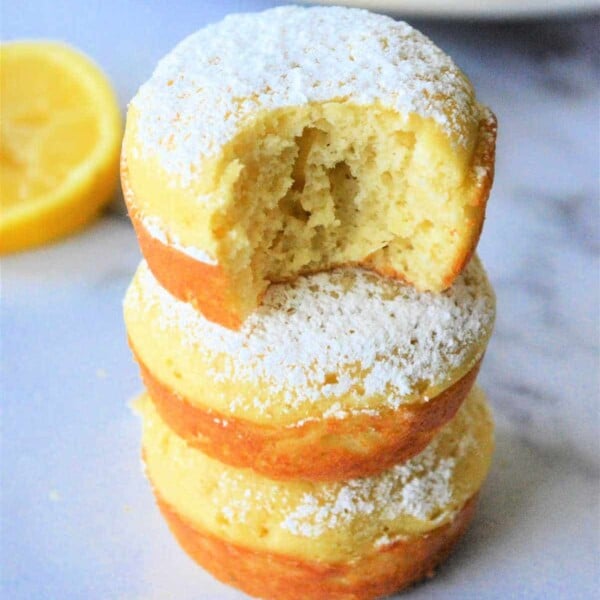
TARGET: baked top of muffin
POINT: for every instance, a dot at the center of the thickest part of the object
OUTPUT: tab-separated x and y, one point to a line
334	341
203	90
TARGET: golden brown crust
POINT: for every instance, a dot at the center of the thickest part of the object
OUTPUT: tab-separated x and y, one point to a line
206	286
324	450
275	576
486	155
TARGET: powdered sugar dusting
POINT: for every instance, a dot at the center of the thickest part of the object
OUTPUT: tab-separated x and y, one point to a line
330	334
155	229
419	488
387	540
483	167
202	92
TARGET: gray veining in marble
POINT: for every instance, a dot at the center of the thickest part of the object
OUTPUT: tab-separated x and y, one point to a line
77	517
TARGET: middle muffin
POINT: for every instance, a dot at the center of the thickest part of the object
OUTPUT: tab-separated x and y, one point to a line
337	375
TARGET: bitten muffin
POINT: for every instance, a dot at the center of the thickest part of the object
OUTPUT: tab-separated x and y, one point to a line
337	374
300	139
356	539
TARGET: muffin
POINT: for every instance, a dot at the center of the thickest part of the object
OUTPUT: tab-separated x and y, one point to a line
355	539
299	139
338	374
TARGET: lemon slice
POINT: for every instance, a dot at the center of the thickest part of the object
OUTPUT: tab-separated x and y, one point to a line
60	135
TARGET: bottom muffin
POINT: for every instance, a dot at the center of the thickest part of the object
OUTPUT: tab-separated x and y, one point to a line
355	539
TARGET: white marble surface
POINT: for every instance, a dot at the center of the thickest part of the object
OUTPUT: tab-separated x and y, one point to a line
78	520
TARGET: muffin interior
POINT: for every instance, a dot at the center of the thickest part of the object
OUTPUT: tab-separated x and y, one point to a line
308	188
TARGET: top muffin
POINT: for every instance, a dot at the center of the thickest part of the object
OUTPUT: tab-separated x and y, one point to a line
300	139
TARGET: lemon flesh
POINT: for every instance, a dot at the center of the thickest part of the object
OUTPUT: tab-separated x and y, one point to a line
60	133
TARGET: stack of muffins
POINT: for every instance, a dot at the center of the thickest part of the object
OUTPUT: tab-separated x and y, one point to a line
308	187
